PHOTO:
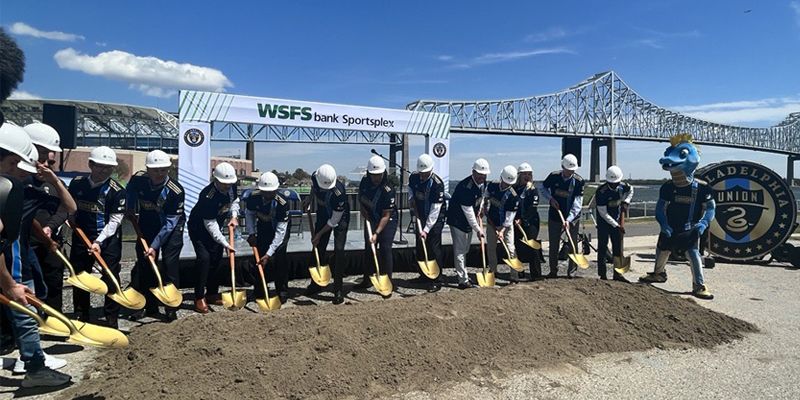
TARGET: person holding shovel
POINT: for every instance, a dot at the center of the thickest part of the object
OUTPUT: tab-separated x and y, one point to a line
612	198
267	217
333	214
159	201
463	214
426	195
564	192
216	202
101	207
527	220
501	209
376	195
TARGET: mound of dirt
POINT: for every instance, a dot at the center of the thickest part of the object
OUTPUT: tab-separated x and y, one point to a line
379	348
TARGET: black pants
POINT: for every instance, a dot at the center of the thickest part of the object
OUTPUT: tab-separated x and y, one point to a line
53	274
554	229
206	264
433	243
604	232
142	275
339	240
527	254
384	247
82	261
277	269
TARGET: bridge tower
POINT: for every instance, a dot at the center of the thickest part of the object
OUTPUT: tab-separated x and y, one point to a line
790	168
596	174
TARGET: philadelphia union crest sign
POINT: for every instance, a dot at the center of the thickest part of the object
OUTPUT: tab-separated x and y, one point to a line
194	137
755	210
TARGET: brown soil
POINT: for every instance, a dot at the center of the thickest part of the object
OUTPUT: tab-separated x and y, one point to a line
379	348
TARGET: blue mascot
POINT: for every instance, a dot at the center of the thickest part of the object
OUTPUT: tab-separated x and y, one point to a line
684	211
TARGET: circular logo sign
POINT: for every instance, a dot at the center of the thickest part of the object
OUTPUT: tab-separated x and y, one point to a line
439	149
755	209
194	137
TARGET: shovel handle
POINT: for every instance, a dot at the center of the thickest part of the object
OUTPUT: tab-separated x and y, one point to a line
88	244
310	223
372	245
567	231
258	262
230	241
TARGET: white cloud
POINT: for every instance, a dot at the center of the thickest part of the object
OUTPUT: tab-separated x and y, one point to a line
101	44
648	43
21	28
493	58
795	5
150	75
22	95
444	57
550	34
765	111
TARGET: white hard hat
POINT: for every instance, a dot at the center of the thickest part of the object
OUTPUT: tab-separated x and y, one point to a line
157	159
481	166
16	140
326	176
509	174
103	155
424	163
44	135
569	162
614	174
29	166
524	167
225	173
376	165
268	182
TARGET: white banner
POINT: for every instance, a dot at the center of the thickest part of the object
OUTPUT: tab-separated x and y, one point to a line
194	160
439	149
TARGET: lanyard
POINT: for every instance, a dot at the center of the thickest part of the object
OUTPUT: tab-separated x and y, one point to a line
619	206
691	207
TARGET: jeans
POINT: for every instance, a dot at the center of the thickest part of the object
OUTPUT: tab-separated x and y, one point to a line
26	331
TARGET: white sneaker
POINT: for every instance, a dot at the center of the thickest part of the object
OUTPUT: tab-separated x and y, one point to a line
45	377
51	362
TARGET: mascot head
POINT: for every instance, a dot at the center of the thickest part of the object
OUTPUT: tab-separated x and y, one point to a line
681	158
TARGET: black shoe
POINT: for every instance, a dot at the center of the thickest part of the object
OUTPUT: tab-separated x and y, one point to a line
171	314
419	279
83	317
112	323
283	296
603	278
338	298
365	283
552	275
312	289
620	278
435	287
466	285
7	344
141	314
386	297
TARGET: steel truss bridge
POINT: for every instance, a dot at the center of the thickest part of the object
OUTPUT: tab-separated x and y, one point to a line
604	107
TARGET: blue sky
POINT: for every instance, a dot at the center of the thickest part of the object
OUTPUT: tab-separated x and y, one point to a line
732	62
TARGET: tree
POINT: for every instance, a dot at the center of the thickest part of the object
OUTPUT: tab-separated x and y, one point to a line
299	174
122	169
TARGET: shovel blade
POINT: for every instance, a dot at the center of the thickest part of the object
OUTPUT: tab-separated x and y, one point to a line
169	295
514	263
320	274
579	259
271	304
89	283
485	279
622	264
532	243
382	284
87	334
430	268
234	301
129	298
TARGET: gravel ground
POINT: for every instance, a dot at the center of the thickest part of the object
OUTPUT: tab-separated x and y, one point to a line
760	366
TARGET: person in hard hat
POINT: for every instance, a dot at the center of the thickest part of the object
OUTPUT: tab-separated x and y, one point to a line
101	207
377	198
564	192
51	214
463	214
267	217
527	219
501	210
18	159
426	197
216	202
612	199
333	214
159	201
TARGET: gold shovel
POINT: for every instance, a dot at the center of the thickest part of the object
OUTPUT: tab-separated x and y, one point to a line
169	294
485	278
129	298
321	274
511	262
532	243
428	267
267	303
83	280
622	264
382	283
578	258
236	299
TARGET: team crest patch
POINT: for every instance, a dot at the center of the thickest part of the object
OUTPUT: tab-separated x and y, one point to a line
194	137
755	210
